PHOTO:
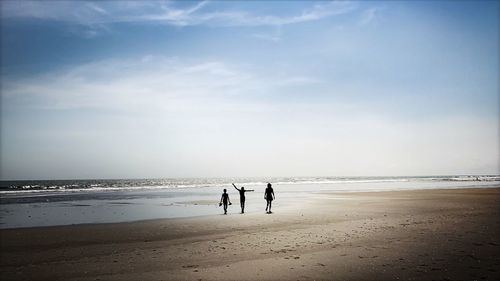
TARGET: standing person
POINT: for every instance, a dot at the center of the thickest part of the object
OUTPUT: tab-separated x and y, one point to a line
224	200
269	196
242	197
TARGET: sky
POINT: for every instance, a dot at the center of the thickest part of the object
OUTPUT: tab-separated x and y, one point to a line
119	89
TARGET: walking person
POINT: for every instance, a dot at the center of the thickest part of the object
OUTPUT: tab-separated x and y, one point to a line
225	200
242	197
269	196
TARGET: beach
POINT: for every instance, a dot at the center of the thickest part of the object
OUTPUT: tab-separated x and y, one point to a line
440	234
145	140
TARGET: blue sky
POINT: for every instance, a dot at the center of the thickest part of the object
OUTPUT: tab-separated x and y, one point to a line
116	89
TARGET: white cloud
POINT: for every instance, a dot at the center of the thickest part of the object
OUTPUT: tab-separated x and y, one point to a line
267	37
160	117
169	14
97	8
89	14
272	37
239	18
369	15
152	82
90	19
297	80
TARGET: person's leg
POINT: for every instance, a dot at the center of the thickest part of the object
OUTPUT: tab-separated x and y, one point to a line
225	208
270	204
243	206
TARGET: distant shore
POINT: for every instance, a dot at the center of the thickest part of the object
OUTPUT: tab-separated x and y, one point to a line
450	234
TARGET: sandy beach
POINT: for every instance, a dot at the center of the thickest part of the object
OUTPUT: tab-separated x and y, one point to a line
401	235
141	140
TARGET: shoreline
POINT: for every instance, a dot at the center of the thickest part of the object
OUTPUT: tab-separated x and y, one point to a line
236	204
68	208
419	234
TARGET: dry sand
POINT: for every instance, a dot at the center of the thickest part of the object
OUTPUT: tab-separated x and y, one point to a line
410	235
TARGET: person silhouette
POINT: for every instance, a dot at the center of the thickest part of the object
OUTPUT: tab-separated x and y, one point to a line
269	196
224	200
242	197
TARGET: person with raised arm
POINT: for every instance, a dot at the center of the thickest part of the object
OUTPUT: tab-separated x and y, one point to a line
242	197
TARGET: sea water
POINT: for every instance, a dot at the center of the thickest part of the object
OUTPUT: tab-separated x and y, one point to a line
64	202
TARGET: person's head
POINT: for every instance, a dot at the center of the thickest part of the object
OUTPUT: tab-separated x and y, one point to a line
242	188
225	190
268	185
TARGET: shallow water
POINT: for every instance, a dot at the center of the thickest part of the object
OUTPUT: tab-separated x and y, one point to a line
64	207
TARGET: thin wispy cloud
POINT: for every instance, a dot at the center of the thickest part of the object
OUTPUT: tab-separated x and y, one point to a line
242	18
288	88
150	83
97	14
267	37
275	36
369	15
194	104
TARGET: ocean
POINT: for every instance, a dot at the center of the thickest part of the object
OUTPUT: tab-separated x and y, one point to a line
21	186
63	202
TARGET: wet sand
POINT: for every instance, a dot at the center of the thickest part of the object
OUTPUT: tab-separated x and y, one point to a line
408	235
